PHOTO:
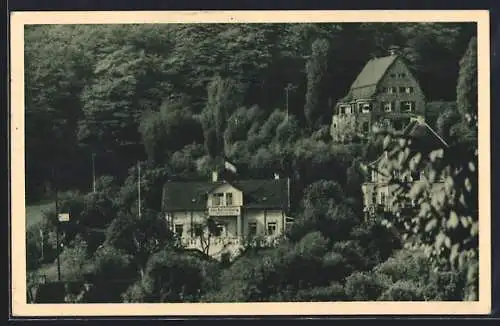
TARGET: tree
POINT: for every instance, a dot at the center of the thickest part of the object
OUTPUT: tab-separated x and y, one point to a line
139	238
446	223
467	98
169	130
205	231
316	68
173	277
343	128
221	102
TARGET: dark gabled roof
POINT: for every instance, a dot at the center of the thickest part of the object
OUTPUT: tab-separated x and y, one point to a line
422	135
256	194
365	85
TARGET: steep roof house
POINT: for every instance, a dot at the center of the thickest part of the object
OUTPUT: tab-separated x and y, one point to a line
384	91
243	211
380	188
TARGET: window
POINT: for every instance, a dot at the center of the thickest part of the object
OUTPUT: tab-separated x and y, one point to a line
382	199
398	125
407	106
341	110
198	229
252	229
366	127
387	106
409	90
348	110
220	230
396	174
374	176
393	75
217	199
402	89
179	229
374	197
366	108
402	75
391	90
271	228
229	199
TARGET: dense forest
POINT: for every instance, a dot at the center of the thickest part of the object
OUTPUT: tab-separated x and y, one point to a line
174	96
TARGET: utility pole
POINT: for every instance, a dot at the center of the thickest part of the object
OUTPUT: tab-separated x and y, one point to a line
93	173
42	244
57	226
288	89
139	188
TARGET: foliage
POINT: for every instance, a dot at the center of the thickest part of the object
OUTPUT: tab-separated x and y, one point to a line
343	128
75	261
169	130
315	68
467	81
108	262
446	225
179	95
171	277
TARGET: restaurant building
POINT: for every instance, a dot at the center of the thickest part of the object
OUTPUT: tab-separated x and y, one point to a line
244	211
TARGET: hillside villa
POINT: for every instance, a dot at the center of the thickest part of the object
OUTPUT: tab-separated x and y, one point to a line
384	91
243	210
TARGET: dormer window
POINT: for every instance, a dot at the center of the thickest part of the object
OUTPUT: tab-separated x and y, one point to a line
217	199
229	199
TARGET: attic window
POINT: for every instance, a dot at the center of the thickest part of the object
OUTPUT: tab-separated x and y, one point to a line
393	75
402	75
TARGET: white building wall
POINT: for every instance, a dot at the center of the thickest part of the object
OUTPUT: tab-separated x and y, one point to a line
262	218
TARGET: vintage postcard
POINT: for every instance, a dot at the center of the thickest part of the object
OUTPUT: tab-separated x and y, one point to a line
250	163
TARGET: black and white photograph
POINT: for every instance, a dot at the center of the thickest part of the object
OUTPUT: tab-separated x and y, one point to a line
246	161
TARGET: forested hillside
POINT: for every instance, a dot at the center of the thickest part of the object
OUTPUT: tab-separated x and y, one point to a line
173	96
127	92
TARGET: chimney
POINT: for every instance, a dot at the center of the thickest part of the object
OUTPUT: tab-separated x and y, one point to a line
215	176
276	176
394	50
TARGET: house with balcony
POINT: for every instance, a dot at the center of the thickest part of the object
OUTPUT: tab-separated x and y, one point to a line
244	211
385	91
383	180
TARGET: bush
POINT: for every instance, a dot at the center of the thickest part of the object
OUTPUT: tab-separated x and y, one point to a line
37	234
74	261
333	292
403	291
111	264
365	286
445	286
